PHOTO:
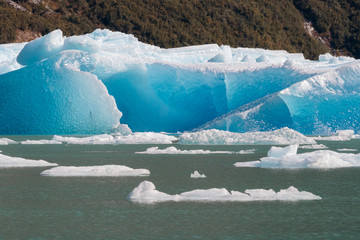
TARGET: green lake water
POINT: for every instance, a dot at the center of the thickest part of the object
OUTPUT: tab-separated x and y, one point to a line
76	208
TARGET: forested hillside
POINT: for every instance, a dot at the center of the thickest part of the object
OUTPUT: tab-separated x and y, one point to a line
271	24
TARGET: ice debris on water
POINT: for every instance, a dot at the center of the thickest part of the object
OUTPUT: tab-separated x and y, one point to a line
288	157
174	150
95	171
146	193
18	162
196	174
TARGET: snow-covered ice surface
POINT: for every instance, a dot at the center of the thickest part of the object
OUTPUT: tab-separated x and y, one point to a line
174	150
196	174
282	136
95	171
287	157
18	162
48	86
146	193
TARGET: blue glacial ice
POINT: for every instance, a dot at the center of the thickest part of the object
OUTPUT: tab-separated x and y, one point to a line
90	84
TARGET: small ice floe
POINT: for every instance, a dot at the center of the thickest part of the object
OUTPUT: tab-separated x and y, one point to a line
347	150
6	141
314	146
95	171
247	151
17	162
340	135
196	174
287	157
281	136
174	150
133	138
146	193
38	142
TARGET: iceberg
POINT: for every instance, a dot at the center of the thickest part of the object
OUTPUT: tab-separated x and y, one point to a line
18	162
146	193
95	171
287	157
104	81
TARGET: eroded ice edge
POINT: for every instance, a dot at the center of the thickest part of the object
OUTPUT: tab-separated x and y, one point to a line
287	157
146	193
18	162
95	171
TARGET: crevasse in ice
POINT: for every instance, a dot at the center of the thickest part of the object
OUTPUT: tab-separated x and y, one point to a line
85	84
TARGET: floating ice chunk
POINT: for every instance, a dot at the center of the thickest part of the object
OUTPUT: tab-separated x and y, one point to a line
316	159
278	152
340	135
174	150
146	193
134	138
314	146
15	162
196	174
347	150
6	141
247	151
213	136
43	141
95	171
97	139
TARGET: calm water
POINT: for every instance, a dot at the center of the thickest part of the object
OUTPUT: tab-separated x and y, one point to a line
36	207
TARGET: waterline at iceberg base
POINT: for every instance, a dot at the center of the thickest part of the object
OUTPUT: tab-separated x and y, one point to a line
90	84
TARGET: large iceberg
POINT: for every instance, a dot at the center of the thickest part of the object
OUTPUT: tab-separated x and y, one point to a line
85	84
